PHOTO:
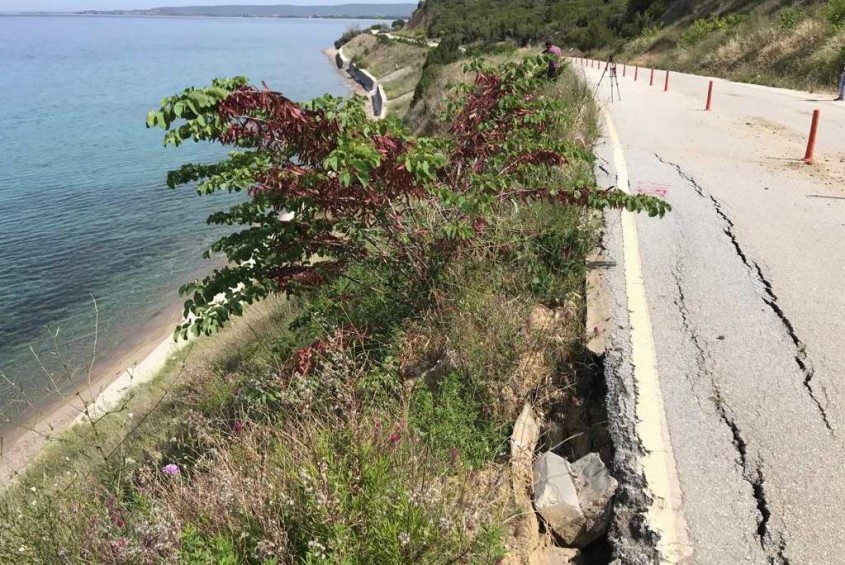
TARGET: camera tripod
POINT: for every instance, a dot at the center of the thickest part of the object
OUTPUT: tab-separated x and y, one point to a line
610	68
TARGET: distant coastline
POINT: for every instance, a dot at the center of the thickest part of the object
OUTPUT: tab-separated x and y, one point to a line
185	16
281	11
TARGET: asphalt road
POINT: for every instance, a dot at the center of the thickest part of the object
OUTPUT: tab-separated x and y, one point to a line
745	285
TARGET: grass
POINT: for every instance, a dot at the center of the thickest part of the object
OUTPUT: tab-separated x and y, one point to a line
776	44
397	65
384	449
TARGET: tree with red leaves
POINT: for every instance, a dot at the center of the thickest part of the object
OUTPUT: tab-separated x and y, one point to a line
328	189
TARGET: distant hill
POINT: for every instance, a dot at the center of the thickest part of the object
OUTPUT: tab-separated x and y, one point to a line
374	11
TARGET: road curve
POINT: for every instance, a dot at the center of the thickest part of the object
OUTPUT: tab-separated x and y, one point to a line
745	286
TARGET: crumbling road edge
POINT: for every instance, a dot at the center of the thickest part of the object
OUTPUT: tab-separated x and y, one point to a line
649	525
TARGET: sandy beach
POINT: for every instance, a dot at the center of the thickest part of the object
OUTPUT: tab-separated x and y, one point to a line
133	362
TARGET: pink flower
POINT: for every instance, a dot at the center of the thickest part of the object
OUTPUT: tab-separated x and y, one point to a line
171	469
394	438
238	426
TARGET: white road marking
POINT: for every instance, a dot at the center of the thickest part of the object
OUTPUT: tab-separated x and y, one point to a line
666	512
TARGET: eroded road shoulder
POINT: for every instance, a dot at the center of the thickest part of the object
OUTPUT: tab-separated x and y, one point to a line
750	436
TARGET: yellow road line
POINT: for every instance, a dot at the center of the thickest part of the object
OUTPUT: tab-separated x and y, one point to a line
666	512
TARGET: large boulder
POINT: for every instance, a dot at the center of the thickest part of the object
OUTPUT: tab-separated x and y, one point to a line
556	497
595	490
574	499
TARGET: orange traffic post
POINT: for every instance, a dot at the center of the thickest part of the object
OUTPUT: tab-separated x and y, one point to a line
636	72
651	80
666	84
811	144
709	96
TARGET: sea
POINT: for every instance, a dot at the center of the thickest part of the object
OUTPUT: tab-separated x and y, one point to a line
93	245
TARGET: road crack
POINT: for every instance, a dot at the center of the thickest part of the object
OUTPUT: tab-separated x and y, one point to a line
701	354
752	473
802	360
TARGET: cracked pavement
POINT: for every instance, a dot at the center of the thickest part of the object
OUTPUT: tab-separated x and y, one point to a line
744	281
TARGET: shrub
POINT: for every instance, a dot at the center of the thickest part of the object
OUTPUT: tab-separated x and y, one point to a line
651	31
451	418
348	35
790	16
359	60
326	183
701	28
835	12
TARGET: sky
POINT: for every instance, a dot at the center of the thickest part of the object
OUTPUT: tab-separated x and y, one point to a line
76	5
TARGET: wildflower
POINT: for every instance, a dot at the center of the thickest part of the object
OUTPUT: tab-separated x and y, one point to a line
33	489
394	438
404	538
238	426
317	549
171	469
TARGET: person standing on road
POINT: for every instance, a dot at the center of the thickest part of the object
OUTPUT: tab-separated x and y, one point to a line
841	86
554	52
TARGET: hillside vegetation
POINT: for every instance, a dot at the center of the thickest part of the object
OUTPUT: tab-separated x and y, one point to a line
777	42
397	66
434	286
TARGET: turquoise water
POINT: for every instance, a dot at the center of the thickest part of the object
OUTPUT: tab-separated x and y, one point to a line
84	212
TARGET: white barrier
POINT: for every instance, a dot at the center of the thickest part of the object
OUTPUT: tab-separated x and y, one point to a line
379	100
341	60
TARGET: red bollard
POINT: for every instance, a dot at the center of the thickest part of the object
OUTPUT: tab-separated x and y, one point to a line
709	96
636	72
811	144
651	80
666	84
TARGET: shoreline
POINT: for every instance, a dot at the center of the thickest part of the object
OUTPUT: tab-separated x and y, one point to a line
133	362
351	84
